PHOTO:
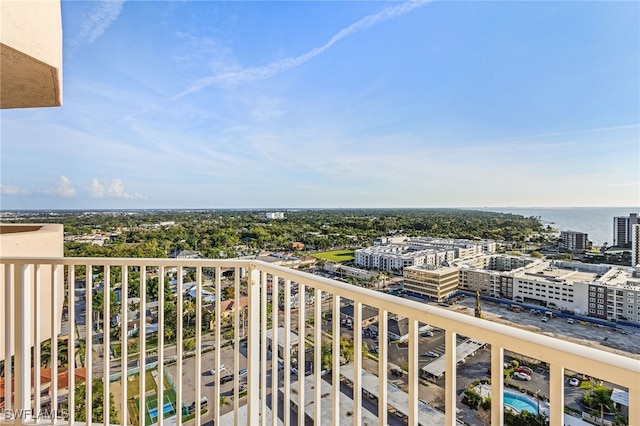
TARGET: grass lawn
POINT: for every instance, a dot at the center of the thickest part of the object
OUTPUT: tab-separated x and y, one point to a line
133	388
335	256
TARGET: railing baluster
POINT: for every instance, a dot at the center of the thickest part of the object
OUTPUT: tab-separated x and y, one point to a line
383	349
236	346
357	363
56	274
263	348
88	347
217	348
413	372
317	352
179	331
9	283
335	361
143	345
450	378
37	368
198	372
22	322
253	347
71	343
275	352
106	340
124	343
497	385
556	394
161	345
287	353
302	303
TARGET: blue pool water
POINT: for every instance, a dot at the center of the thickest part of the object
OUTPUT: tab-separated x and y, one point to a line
520	402
153	412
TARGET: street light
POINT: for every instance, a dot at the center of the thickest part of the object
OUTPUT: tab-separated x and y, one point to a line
537	394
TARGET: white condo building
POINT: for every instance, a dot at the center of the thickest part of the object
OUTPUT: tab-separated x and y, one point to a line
422	251
622	227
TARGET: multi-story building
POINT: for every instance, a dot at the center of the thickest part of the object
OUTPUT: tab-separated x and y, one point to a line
622	229
635	245
437	284
574	241
431	252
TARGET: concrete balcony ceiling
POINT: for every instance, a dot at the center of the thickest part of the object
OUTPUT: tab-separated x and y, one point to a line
31	54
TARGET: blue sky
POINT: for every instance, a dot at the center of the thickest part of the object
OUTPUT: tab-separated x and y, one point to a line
335	104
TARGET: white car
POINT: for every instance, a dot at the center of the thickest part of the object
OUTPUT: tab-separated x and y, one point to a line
431	354
574	381
569	320
521	376
544	319
220	370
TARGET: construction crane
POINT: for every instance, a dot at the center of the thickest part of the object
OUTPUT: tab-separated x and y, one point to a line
478	307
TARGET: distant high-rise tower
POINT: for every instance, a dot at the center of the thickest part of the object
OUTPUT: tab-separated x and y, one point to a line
622	228
574	241
635	245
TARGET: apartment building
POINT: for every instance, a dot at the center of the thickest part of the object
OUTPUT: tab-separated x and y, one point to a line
622	232
437	284
635	245
574	241
422	251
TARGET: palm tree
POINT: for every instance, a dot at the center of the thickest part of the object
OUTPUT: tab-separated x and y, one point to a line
189	308
602	398
224	401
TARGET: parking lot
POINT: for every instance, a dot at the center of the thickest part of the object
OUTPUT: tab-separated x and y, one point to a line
625	339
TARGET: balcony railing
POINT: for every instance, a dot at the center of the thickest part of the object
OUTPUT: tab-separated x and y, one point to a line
154	358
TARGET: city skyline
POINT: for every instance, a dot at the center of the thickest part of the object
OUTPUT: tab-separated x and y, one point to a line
340	104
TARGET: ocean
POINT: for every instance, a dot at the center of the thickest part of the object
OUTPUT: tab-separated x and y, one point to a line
597	222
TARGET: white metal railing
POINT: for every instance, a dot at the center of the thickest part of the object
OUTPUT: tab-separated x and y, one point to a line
266	389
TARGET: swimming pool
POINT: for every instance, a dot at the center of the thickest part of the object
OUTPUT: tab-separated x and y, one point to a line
520	402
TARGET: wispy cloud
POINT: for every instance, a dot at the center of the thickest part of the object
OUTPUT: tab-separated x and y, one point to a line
259	73
99	18
62	188
111	189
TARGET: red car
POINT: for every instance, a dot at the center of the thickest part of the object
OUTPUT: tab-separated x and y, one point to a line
525	370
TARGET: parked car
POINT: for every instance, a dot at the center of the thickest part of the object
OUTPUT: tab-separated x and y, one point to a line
569	320
521	376
427	334
545	319
243	372
226	379
220	370
525	370
431	354
574	381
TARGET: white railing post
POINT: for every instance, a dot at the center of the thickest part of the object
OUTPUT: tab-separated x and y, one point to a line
383	349
9	284
497	385
253	347
450	378
414	372
556	394
22	397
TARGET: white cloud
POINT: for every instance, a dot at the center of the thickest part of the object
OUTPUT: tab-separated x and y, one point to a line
62	188
11	190
101	16
97	189
258	73
111	189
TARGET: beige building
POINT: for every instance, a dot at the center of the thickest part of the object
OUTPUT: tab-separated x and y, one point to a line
33	240
31	54
437	284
